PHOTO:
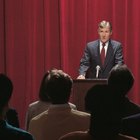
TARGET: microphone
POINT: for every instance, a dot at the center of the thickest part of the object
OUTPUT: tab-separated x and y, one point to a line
97	70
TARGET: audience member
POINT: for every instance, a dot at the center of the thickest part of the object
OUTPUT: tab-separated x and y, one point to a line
60	118
121	81
7	131
105	119
131	126
41	105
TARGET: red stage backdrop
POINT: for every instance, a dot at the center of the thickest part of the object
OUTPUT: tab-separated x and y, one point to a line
36	35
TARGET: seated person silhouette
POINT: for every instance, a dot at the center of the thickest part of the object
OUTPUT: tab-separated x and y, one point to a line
60	118
105	119
7	131
121	81
41	105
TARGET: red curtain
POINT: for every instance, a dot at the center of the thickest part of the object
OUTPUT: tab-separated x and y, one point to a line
36	35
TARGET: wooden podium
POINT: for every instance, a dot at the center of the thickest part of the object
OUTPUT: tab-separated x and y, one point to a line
80	88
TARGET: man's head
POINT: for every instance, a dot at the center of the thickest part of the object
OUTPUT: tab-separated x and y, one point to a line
58	86
105	111
98	99
121	79
104	31
6	88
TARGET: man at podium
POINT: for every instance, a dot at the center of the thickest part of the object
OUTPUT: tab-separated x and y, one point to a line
100	55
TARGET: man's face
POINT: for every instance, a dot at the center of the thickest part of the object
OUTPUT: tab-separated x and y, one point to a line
104	34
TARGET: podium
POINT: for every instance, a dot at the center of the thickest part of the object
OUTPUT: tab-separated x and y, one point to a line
80	88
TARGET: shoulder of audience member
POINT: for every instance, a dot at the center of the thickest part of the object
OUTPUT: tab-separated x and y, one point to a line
20	132
81	113
43	114
33	103
73	106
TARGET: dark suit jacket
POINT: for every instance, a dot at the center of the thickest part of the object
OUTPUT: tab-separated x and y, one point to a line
129	108
131	126
91	59
8	132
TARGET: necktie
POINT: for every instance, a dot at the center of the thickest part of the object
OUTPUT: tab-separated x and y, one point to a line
103	54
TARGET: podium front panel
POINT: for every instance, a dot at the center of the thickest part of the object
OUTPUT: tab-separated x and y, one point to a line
80	88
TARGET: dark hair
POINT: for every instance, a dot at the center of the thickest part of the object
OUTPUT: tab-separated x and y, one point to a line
42	91
6	88
121	78
95	97
58	86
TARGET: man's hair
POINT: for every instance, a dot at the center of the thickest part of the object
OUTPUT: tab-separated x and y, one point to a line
104	24
6	88
121	78
58	86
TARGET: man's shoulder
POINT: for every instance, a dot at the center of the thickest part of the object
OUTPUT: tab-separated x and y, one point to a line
39	117
115	42
73	112
34	103
92	43
80	113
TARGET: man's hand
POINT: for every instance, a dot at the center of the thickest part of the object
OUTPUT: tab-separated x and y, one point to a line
81	77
